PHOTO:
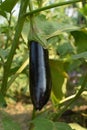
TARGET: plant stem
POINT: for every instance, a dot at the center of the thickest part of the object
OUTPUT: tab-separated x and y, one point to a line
40	2
74	99
33	116
51	6
31	16
33	113
30	5
15	42
8	33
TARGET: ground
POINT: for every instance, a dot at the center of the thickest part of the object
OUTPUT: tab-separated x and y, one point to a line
21	113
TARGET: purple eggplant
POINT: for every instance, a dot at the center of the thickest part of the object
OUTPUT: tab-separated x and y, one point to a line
40	76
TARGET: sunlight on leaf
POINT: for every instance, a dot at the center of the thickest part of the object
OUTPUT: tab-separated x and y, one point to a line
76	126
58	78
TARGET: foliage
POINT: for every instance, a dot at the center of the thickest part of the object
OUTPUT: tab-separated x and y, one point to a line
65	35
39	122
8	123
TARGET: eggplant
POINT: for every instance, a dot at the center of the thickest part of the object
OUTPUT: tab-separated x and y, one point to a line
40	76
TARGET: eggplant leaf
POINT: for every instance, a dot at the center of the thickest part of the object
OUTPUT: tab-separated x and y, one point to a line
8	5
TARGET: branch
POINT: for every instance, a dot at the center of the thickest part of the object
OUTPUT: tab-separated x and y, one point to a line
50	6
15	42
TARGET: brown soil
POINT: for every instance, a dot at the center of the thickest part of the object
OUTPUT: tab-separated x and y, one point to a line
19	113
22	115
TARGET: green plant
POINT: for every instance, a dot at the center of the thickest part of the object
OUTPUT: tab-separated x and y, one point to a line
65	38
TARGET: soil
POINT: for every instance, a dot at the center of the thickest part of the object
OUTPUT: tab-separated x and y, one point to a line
21	113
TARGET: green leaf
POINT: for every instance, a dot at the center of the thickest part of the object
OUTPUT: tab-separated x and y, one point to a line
53	28
58	78
2	13
80	56
65	48
80	40
8	5
84	10
25	30
46	124
73	65
62	126
8	123
42	124
48	27
61	28
3	54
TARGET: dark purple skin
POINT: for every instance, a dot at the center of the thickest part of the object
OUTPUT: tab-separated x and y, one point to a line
40	77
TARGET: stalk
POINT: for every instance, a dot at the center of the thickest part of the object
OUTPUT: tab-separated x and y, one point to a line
8	34
15	42
33	116
51	6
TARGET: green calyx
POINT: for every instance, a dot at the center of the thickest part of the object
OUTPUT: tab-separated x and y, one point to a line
35	34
